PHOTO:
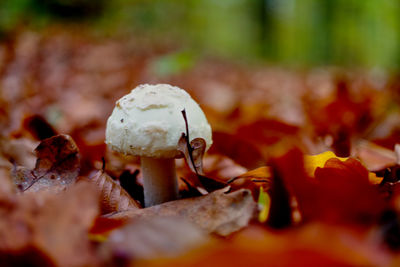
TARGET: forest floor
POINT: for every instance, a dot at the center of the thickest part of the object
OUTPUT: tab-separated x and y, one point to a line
271	193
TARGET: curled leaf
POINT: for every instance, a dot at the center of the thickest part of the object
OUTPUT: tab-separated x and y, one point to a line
198	146
112	196
193	153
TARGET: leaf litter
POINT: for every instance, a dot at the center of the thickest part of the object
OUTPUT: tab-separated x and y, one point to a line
345	211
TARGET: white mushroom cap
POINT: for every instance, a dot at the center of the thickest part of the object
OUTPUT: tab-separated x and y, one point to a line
148	121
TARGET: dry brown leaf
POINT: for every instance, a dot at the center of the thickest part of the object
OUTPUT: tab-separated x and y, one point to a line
198	149
112	196
374	157
219	170
152	238
48	229
22	177
57	166
194	150
219	212
194	154
7	186
17	151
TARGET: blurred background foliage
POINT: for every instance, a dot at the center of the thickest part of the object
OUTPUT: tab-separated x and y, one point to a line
300	33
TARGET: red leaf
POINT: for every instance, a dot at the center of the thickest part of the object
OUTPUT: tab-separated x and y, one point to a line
340	192
238	149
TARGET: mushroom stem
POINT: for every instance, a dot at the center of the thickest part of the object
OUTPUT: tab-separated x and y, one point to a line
159	180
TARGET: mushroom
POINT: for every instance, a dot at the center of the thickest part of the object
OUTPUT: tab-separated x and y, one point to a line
148	122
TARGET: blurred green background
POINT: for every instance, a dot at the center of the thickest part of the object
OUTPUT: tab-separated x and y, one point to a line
303	33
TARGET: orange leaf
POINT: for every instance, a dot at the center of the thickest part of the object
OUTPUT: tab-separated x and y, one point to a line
253	180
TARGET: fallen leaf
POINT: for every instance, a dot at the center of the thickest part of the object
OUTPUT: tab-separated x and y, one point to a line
48	229
103	225
219	170
57	166
17	151
260	173
354	198
193	158
193	151
253	180
207	185
374	157
196	153
22	177
238	149
7	186
311	245
218	212
264	201
198	146
112	196
343	190
151	238
312	162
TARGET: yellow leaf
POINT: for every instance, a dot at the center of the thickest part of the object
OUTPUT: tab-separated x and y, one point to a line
373	179
259	173
99	238
264	202
312	162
